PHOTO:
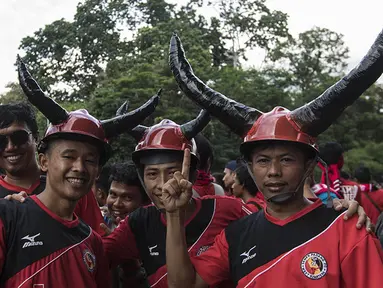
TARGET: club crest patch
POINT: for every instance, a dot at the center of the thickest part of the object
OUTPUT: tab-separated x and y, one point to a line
314	266
89	260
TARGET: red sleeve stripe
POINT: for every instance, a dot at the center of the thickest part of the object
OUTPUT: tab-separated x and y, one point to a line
247	211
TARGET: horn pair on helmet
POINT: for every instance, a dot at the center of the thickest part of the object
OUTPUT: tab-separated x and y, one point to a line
167	136
79	124
301	125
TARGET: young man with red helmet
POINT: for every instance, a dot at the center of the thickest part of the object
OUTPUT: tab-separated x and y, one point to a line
142	235
43	243
283	243
18	141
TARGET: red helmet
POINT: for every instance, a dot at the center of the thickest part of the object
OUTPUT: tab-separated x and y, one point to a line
79	124
169	136
302	125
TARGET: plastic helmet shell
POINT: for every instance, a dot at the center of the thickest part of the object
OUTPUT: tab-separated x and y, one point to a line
166	135
79	124
276	125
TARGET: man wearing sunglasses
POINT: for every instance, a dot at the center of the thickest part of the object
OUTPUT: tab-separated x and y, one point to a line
18	135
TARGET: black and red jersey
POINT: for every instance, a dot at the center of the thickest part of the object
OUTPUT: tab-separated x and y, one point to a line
39	249
87	207
143	234
314	248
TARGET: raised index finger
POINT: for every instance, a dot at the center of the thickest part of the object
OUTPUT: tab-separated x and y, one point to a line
186	164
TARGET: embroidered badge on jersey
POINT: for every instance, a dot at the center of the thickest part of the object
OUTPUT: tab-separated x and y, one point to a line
89	260
314	266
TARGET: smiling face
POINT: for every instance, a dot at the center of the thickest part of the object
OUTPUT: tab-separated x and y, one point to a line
155	176
123	199
278	168
16	159
71	166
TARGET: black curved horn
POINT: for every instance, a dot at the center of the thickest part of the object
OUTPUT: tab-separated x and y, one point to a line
137	132
193	127
237	116
123	109
316	116
128	121
46	105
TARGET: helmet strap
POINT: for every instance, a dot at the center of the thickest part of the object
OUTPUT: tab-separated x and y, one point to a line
329	198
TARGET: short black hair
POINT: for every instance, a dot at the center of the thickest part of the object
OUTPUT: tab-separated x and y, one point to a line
102	181
19	112
245	179
205	151
362	174
126	173
345	175
331	152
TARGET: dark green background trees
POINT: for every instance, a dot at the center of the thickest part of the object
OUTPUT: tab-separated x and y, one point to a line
117	50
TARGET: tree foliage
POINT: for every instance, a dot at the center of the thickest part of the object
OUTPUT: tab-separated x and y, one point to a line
117	50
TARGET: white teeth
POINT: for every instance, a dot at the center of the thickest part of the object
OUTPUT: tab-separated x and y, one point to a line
13	158
76	181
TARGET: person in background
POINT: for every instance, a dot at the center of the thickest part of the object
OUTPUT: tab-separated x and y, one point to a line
314	190
101	186
245	188
368	194
229	176
204	185
332	154
125	193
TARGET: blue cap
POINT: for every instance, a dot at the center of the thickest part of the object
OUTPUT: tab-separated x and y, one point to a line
231	165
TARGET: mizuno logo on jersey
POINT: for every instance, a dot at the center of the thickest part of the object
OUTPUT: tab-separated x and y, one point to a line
247	255
31	241
153	253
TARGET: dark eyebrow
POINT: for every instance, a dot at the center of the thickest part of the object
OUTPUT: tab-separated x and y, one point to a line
75	151
172	167
68	151
282	155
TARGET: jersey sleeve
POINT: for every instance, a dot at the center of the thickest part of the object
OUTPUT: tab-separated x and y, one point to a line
103	278
213	265
120	246
88	210
363	266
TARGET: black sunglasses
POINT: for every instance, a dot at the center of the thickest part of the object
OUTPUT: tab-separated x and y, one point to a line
18	138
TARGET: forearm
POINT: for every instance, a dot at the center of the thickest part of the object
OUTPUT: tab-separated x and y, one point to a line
181	272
